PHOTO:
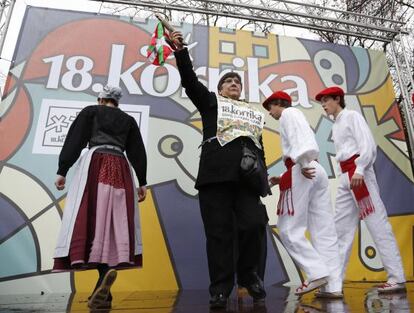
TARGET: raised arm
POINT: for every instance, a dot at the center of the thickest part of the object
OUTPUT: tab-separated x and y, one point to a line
195	90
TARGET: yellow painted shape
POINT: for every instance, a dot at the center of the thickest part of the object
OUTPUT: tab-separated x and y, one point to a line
355	296
151	301
272	146
244	41
403	230
79	302
198	124
382	98
138	301
157	272
62	204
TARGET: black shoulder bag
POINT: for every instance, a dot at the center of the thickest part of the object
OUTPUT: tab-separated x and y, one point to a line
253	171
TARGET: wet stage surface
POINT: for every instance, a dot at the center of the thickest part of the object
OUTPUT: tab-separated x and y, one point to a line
359	297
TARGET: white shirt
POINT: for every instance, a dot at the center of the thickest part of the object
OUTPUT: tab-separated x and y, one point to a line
298	139
351	135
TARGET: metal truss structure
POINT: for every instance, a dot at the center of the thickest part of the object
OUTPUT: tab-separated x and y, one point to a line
282	12
6	9
290	13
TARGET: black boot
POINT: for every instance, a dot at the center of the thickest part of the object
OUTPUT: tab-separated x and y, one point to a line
256	289
101	297
102	270
218	301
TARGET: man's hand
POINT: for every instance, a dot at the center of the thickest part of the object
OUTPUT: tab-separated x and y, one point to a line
308	172
177	39
60	182
142	193
274	181
356	180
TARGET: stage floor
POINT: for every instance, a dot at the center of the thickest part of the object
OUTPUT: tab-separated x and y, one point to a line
359	297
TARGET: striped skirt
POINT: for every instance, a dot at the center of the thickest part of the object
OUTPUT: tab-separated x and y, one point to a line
104	228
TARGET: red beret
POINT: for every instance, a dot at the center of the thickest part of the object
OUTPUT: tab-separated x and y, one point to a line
331	91
277	95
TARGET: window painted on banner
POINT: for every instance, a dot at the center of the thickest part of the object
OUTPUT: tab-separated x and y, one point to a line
227	30
259	34
260	51
227	47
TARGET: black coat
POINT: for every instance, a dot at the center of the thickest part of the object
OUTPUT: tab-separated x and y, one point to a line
217	163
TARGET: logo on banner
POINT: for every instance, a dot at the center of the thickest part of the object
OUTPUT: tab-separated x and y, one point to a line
56	117
236	119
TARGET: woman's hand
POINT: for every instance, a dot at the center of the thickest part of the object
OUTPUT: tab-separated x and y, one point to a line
60	182
308	172
177	39
142	193
274	181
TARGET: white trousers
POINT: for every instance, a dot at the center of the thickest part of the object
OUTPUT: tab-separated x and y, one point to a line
313	211
347	220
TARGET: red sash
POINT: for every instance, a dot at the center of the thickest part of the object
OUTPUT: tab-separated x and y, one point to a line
285	187
361	193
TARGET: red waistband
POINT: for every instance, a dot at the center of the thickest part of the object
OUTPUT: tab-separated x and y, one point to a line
349	164
289	163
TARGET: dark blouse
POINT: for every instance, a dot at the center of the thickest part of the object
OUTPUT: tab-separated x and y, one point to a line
103	125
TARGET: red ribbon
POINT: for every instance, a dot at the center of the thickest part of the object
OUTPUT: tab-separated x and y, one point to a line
285	187
361	193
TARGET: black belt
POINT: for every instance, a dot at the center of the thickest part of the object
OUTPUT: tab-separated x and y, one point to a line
110	149
208	140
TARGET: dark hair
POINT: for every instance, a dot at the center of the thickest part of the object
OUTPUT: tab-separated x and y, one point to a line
227	75
110	100
281	102
342	101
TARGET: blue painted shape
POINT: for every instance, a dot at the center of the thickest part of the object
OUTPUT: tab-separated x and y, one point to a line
275	270
326	146
184	232
277	169
10	219
363	60
397	191
18	254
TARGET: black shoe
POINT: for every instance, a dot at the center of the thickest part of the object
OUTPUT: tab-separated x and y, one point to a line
218	301
101	295
256	291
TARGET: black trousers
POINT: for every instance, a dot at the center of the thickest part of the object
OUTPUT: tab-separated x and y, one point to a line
232	212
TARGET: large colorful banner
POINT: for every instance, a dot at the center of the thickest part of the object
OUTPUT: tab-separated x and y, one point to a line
63	58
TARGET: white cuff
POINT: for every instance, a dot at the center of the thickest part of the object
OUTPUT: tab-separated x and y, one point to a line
304	164
359	170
